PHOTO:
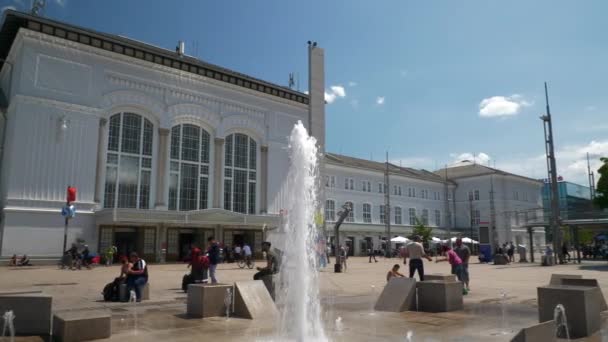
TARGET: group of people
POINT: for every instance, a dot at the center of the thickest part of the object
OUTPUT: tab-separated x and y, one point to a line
76	257
458	258
507	249
133	273
23	261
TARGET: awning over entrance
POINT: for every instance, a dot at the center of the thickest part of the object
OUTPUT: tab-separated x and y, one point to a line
213	216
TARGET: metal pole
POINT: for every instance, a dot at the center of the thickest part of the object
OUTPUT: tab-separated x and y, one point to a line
448	215
387	208
555	220
471	214
65	228
531	233
493	217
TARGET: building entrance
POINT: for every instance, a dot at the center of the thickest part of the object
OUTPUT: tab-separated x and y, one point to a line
186	240
126	242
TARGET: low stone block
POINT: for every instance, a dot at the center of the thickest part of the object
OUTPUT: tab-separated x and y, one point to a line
253	301
207	300
439	276
556	278
582	305
539	332
500	259
439	296
546	260
587	282
82	326
398	295
124	295
269	281
32	312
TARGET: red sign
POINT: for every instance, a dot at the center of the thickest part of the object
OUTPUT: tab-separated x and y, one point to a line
71	197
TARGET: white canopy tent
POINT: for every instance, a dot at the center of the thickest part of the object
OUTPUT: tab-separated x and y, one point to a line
399	239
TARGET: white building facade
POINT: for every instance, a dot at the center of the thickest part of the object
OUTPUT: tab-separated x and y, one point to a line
516	199
165	150
414	194
460	206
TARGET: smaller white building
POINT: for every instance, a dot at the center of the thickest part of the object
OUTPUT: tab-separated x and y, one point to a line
516	200
359	183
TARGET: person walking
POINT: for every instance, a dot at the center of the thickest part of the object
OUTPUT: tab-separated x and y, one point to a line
511	252
137	276
370	251
110	252
343	256
464	253
214	258
247	253
415	252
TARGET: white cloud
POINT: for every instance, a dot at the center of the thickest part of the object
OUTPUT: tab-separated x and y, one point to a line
335	92
352	84
499	106
479	158
380	100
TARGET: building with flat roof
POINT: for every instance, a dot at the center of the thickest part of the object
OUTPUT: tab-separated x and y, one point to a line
164	149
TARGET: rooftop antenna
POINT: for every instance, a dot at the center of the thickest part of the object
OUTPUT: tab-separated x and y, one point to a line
180	48
298	81
291	81
37	7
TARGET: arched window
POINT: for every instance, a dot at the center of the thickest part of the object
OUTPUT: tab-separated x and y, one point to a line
128	162
240	176
189	169
351	213
330	210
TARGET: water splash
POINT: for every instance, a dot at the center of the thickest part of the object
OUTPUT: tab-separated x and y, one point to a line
373	299
9	318
228	301
408	336
561	322
133	299
298	288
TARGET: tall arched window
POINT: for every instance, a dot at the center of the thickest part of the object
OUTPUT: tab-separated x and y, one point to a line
128	162
351	213
240	176
189	169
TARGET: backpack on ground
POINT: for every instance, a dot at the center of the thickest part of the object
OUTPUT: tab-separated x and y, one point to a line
111	291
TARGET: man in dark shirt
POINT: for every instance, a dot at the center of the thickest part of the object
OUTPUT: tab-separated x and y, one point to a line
214	258
464	253
272	262
137	277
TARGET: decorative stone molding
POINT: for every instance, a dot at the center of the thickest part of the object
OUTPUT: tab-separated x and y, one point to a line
140	85
243	123
193	113
64	106
133	98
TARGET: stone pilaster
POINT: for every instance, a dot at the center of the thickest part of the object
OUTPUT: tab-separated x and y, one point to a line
162	169
218	162
264	180
100	173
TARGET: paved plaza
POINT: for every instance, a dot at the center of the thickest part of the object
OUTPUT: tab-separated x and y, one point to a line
347	301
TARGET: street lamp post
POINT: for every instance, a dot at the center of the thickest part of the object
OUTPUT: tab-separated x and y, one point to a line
341	217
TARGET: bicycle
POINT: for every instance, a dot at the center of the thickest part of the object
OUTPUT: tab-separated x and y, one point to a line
246	262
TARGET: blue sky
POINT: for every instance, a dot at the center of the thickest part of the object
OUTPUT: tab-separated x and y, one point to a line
432	82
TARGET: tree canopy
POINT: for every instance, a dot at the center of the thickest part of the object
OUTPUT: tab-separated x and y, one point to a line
601	191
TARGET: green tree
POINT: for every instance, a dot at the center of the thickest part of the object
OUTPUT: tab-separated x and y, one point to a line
422	230
601	191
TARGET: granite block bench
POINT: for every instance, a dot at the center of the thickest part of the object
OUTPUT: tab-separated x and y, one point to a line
439	296
78	326
32	312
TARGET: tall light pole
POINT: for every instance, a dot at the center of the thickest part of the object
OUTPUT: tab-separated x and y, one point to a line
551	170
387	208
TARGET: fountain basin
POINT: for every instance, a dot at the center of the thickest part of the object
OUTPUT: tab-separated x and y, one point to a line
583	302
